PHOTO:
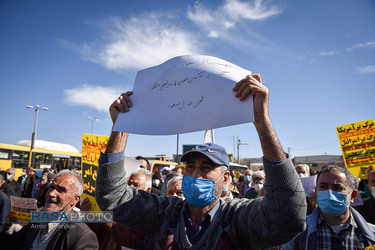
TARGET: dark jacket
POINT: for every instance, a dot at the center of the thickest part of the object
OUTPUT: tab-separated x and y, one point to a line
4	206
42	194
29	184
68	236
367	210
12	188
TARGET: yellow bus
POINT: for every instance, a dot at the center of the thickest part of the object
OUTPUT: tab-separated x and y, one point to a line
44	155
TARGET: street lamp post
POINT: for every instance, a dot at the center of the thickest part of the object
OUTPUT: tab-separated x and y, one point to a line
238	149
33	136
92	122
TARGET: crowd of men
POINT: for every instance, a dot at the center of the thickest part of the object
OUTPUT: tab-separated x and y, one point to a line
203	205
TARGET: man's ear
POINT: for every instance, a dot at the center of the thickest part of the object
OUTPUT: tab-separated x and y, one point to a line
76	199
148	190
353	195
226	177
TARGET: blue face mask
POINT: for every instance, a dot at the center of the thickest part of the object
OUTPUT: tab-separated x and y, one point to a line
331	202
247	178
199	192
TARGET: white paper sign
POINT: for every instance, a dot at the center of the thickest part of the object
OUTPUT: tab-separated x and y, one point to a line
26	205
309	184
186	94
131	165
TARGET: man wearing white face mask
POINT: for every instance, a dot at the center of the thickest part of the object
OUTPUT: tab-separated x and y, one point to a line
257	183
202	220
334	224
368	208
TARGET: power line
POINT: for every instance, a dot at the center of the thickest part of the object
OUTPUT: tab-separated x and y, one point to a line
320	146
68	124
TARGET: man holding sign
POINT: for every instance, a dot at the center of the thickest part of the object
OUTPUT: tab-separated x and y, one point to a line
201	220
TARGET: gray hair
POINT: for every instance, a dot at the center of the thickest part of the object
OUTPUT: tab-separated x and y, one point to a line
257	176
305	166
174	180
13	170
349	177
78	184
142	171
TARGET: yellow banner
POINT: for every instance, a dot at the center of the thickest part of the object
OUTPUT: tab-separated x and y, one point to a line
357	142
92	145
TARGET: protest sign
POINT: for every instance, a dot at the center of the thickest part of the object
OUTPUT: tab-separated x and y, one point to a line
22	208
357	142
309	184
186	94
92	145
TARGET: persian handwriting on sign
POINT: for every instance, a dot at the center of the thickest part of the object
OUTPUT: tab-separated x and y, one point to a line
353	127
211	61
357	142
357	133
89	188
370	160
167	84
89	175
356	147
89	172
26	203
182	104
360	153
186	94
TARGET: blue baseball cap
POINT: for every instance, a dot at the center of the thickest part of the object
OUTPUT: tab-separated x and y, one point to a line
214	152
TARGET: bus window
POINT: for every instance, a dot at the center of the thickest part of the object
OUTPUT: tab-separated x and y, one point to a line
77	162
4	154
26	156
48	159
60	163
17	155
38	158
70	162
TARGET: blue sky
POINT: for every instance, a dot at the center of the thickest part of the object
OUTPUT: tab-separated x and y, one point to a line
75	57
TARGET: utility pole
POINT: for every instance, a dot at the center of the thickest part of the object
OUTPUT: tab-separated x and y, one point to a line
33	136
238	149
234	149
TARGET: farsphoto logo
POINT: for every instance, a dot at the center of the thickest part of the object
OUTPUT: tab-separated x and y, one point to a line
72	217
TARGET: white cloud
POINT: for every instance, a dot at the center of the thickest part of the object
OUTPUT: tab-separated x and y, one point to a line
366	70
258	10
225	17
96	97
357	46
138	42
